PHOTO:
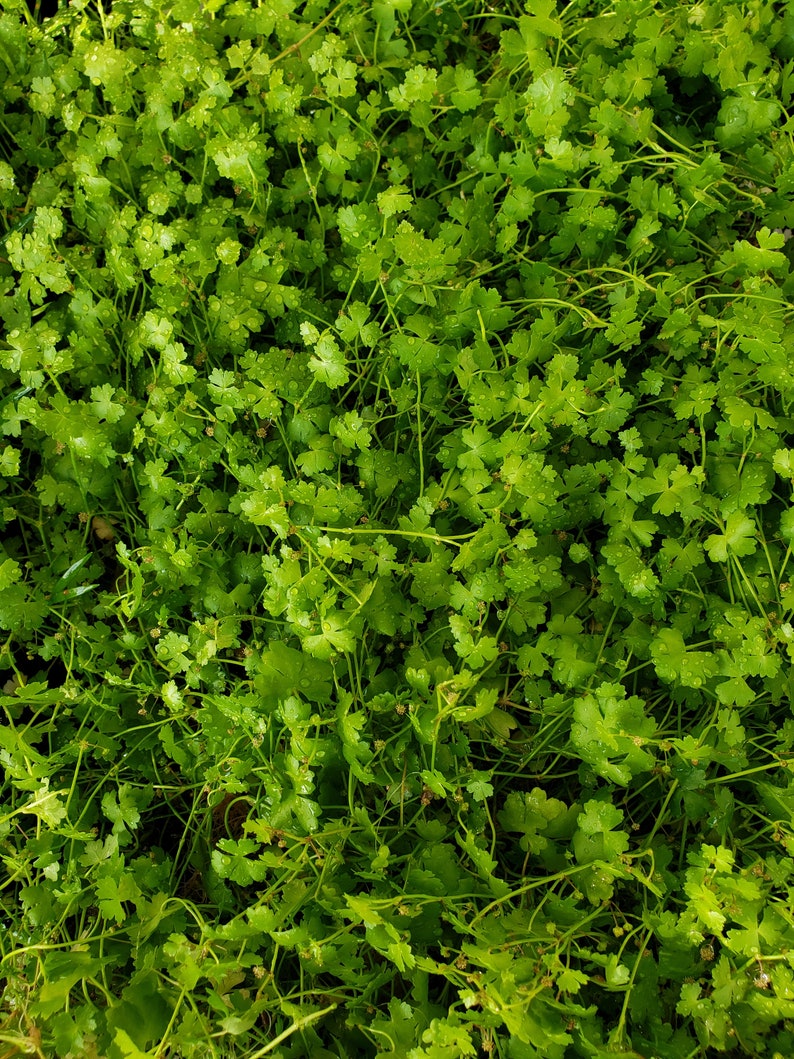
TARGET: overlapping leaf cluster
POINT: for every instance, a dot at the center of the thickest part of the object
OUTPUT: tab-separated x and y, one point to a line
396	566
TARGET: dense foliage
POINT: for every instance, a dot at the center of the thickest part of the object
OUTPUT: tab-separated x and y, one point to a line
396	576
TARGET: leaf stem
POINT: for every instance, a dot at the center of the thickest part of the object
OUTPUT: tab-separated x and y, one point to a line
292	48
301	1024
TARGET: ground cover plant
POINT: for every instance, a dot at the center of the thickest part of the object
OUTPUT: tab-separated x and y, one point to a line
396	579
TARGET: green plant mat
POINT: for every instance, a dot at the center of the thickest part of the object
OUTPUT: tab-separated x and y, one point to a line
396	574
